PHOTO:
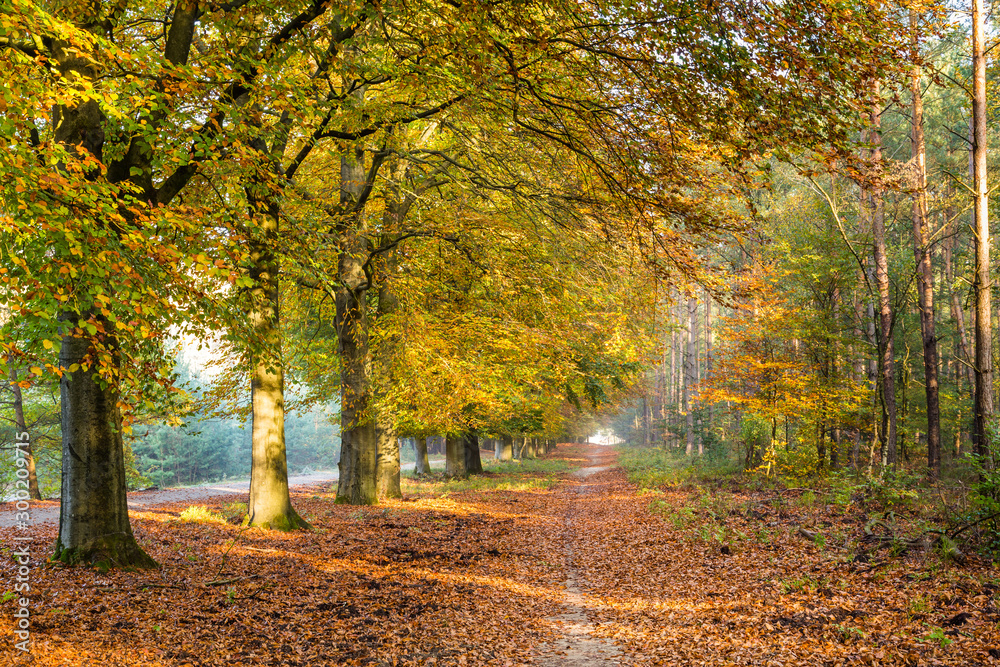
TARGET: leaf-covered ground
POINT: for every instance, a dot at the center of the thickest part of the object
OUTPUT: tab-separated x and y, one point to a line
475	574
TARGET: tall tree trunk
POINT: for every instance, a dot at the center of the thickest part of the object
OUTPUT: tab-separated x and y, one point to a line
965	370
689	371
473	460
676	379
423	465
93	517
270	505
387	466
358	444
925	276
528	451
21	427
647	432
708	351
455	456
981	282
885	344
387	483
505	448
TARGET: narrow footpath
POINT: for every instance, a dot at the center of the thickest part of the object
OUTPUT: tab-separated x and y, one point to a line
577	643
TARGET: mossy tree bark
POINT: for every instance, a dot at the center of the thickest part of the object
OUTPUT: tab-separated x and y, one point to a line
270	505
358	443
94	526
93	518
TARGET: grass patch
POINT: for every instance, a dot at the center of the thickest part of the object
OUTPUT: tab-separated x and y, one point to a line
529	466
523	475
438	484
200	514
652	468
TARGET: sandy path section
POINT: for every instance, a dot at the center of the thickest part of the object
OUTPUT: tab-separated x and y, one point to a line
579	646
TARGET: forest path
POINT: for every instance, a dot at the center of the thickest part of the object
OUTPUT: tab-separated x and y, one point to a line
578	645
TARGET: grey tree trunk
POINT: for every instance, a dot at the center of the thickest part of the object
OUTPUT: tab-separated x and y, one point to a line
270	505
647	419
358	444
455	456
505	448
473	459
675	383
981	282
708	351
22	429
387	465
689	372
93	517
423	465
925	276
885	343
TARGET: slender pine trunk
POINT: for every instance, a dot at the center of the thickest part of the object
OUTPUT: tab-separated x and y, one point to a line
981	282
21	427
886	356
925	276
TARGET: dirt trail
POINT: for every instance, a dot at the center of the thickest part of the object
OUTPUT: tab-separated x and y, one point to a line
578	644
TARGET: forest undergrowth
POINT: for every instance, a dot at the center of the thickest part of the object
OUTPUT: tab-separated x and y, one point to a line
472	572
843	569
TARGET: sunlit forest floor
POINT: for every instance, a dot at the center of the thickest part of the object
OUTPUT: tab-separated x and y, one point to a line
475	573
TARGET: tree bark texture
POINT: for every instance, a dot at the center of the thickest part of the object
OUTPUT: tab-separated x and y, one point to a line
689	372
925	276
93	517
455	456
387	465
886	352
21	427
359	447
423	465
473	459
270	505
981	282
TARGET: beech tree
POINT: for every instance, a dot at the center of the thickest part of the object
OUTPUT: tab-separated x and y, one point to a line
129	121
